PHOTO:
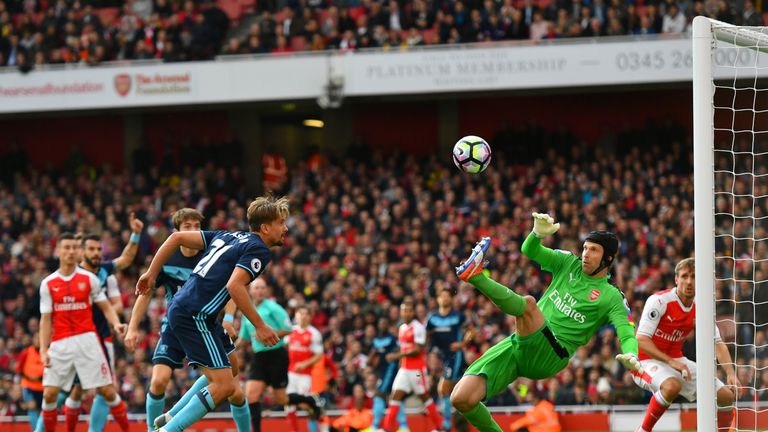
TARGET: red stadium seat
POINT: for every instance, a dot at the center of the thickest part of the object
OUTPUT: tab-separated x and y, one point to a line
231	8
429	36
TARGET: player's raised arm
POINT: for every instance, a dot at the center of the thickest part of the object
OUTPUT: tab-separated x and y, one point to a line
129	253
238	290
543	225
190	239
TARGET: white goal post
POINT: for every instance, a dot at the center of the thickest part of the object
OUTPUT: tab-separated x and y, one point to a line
730	133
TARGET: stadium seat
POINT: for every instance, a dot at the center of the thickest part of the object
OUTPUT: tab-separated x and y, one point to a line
231	8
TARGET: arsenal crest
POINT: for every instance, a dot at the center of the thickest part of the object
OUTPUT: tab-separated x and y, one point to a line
122	84
82	286
594	294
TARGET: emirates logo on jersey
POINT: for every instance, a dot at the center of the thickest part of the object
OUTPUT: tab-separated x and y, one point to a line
594	294
82	286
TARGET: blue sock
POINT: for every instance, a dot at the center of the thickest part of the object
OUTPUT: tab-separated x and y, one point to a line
379	407
241	414
38	425
33	415
446	400
401	418
198	406
312	425
200	384
99	413
155	406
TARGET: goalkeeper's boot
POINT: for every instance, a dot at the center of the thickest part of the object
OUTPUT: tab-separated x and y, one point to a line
473	265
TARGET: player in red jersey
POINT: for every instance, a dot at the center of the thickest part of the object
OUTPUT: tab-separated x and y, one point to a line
305	348
68	341
668	318
412	375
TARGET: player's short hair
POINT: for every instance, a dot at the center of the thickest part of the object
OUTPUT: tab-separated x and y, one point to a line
409	303
266	209
688	263
86	237
182	215
304	306
65	236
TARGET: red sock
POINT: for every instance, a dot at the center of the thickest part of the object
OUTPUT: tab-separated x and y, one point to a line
49	420
654	412
293	421
70	416
389	419
724	420
120	414
433	414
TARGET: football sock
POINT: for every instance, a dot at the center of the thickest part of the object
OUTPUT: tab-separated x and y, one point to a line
191	394
480	417
197	408
379	407
242	416
446	403
99	413
724	418
255	409
155	406
655	410
507	300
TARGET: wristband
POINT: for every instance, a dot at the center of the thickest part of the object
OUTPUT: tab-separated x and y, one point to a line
229	318
135	237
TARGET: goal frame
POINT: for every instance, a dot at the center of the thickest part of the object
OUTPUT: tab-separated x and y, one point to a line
705	32
704	221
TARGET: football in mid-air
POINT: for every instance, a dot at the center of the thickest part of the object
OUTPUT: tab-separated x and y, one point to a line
472	154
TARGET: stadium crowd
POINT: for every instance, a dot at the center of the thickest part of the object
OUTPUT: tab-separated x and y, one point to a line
38	32
368	231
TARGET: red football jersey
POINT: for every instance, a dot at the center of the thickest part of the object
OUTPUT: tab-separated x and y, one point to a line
69	299
667	321
302	345
410	335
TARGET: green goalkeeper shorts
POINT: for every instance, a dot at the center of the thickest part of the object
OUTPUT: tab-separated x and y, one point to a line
529	356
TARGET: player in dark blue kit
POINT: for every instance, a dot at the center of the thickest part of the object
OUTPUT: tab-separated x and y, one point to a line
91	260
169	356
231	260
447	336
384	343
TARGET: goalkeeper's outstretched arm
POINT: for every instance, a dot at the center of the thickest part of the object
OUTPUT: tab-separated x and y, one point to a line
625	331
543	226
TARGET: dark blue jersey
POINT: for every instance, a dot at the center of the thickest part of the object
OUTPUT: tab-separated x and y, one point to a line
444	330
99	320
205	293
176	272
384	345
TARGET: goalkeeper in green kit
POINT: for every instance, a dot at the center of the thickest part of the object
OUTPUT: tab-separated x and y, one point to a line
575	305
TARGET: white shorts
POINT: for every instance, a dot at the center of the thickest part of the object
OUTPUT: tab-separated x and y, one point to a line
82	355
300	384
110	346
656	372
411	381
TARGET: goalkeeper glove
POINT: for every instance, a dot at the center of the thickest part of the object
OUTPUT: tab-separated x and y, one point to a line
544	225
630	361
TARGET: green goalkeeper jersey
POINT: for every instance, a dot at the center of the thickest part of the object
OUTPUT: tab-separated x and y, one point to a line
576	305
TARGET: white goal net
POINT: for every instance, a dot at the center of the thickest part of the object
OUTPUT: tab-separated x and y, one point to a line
731	210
